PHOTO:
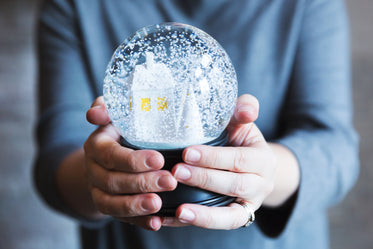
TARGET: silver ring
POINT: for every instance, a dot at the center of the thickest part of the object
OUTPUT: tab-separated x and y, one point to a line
250	212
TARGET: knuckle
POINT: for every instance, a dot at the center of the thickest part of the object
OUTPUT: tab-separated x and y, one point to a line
130	210
131	161
213	157
240	187
110	183
142	184
204	179
209	221
240	161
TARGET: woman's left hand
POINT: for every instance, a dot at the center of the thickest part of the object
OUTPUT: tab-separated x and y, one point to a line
244	170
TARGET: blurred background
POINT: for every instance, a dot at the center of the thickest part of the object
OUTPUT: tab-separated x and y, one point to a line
26	223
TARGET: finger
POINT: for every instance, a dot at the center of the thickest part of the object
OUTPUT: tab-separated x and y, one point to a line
126	205
116	182
103	148
246	111
230	217
236	159
241	129
172	222
243	185
152	223
97	114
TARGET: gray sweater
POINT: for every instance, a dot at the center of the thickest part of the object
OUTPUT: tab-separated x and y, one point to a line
293	55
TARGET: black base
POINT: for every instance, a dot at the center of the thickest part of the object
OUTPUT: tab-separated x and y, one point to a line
183	193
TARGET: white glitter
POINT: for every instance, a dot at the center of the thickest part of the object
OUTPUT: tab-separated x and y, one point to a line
170	86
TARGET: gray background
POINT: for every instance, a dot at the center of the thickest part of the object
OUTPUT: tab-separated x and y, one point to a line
25	223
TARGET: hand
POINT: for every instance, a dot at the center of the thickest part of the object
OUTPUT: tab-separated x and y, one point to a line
245	170
123	181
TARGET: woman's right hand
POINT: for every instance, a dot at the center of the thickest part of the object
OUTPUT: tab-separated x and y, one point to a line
123	182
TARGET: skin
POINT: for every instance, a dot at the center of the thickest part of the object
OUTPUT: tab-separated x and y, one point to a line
106	179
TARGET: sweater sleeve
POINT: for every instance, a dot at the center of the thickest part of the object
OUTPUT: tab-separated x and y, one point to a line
65	94
317	119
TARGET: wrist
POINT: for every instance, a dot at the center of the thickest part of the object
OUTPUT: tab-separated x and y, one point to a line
287	176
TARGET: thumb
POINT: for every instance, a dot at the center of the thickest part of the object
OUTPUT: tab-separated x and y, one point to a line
241	129
97	114
246	111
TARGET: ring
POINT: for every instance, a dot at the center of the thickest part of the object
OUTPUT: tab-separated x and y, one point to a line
250	212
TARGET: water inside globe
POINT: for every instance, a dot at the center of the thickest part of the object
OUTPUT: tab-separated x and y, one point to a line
170	86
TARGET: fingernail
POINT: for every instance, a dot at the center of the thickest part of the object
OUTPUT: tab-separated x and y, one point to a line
96	107
182	173
186	215
167	221
154	225
152	162
148	204
245	108
192	156
165	182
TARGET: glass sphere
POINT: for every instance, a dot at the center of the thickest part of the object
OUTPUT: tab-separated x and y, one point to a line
169	86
